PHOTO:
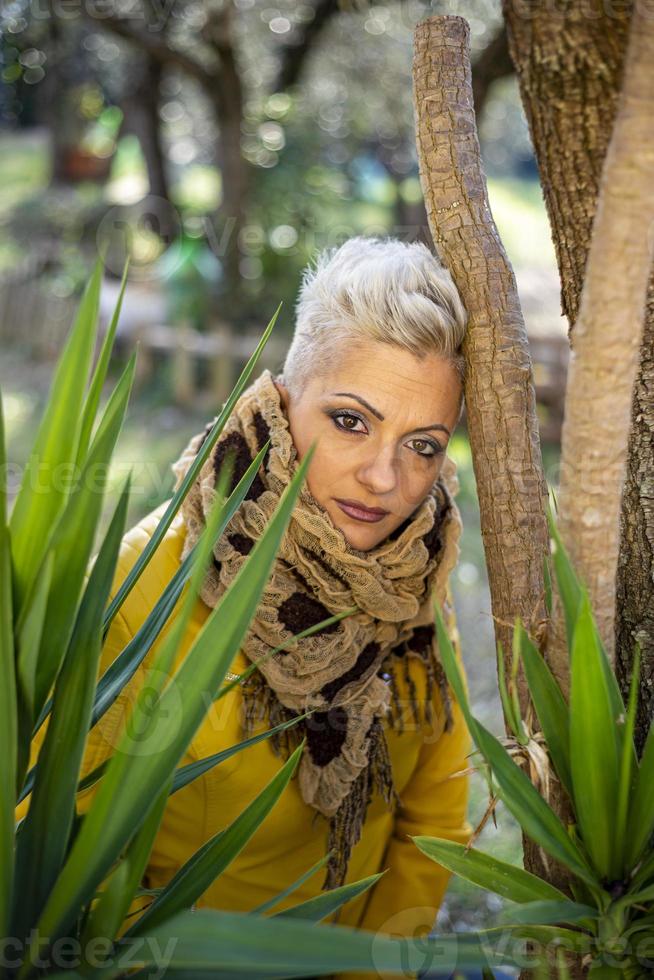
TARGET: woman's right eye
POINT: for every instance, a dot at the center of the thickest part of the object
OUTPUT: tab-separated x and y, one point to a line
348	422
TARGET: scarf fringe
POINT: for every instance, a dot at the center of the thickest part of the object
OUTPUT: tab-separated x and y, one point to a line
347	823
345	827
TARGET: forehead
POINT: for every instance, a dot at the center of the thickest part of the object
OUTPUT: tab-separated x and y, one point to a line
394	380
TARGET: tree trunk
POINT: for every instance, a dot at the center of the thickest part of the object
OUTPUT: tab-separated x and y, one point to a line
58	112
227	98
635	577
499	389
500	400
569	70
607	337
141	117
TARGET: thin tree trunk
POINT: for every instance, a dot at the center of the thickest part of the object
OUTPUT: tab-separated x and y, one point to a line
500	400
499	390
227	99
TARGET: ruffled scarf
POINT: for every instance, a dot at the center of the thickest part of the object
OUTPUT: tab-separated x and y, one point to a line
346	671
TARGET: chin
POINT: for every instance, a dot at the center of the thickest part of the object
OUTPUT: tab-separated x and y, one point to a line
363	539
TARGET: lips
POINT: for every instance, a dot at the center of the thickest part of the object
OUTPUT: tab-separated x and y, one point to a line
369	515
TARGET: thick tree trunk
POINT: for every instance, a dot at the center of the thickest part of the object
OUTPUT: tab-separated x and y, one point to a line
635	577
607	337
569	68
499	391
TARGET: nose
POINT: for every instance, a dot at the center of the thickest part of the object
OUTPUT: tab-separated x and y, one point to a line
378	471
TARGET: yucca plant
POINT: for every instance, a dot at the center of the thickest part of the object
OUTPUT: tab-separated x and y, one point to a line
67	879
589	745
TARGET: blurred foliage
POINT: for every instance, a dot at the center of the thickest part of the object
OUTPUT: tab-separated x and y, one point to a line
330	156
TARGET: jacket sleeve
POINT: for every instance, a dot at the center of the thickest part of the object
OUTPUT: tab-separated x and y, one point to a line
406	900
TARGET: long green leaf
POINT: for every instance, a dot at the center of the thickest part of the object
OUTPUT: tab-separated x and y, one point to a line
99	375
8	705
628	771
532	813
641	811
106	918
126	664
44	491
72	542
488	872
193	770
451	668
548	937
547	580
29	631
162	666
566	578
176	715
123	668
552	711
280	896
44	838
514	721
544	913
190	476
594	748
232	943
210	860
318	908
571	589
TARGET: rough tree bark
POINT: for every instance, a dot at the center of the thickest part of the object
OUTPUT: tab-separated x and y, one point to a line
635	575
607	337
500	401
569	68
499	390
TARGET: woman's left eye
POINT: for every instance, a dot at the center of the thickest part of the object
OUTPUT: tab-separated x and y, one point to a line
426	448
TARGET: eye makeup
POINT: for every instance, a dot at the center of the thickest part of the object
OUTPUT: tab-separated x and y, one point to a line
336	414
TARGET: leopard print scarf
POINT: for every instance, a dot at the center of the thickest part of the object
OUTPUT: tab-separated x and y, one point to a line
345	672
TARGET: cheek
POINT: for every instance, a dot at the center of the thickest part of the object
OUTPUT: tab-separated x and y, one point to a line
416	480
330	468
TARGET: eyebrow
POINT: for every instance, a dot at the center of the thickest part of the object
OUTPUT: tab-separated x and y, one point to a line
420	428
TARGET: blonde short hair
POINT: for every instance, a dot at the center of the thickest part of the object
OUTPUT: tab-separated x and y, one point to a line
374	289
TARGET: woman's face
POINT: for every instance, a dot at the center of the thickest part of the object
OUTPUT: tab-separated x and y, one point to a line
382	419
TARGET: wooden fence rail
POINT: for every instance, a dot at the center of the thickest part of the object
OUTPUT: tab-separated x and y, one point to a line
222	353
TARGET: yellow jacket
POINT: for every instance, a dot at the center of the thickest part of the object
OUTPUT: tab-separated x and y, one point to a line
293	836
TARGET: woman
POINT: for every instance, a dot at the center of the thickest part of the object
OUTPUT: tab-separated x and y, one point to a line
374	374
